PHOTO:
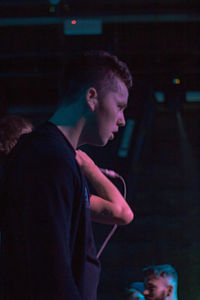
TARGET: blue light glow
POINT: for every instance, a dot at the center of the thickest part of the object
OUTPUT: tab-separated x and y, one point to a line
192	96
160	97
83	26
126	139
54	2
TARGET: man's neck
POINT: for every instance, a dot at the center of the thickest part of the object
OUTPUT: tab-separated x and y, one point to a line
70	121
72	134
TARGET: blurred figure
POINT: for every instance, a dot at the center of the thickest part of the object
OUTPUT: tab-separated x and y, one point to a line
11	128
135	295
135	291
161	282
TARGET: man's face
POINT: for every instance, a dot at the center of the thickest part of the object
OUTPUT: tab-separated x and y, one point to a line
156	288
109	113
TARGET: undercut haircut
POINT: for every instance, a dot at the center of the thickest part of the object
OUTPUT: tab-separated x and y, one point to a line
160	271
97	69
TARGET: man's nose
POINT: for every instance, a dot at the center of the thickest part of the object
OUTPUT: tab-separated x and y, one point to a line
146	292
121	120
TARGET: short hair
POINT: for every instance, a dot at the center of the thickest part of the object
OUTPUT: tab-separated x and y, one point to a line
134	295
92	68
161	271
134	290
11	128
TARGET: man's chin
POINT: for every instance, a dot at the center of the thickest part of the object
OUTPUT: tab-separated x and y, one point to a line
102	144
99	143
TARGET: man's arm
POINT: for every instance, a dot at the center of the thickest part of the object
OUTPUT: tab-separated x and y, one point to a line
109	206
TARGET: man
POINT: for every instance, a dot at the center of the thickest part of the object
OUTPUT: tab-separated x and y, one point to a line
134	295
11	128
135	291
47	240
161	282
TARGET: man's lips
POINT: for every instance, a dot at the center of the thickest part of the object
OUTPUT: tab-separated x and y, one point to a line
112	136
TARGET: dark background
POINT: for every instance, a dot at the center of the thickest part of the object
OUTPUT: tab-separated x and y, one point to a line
160	41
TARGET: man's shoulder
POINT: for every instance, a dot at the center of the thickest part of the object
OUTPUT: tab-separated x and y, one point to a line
47	138
46	148
46	133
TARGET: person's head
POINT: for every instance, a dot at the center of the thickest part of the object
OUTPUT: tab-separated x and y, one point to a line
134	295
160	282
102	82
135	291
11	128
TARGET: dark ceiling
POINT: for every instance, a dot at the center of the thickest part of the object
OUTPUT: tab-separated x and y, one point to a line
158	39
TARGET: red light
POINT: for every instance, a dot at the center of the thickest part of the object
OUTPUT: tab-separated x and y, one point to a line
73	22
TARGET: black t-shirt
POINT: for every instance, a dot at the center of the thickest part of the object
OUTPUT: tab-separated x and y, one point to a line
47	240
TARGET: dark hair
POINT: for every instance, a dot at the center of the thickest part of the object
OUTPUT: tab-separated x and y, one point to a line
134	290
161	271
133	294
11	128
92	68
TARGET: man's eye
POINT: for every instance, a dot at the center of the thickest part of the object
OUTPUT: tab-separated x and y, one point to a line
121	107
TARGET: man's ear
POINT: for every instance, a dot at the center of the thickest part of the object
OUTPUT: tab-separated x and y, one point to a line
91	98
170	290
